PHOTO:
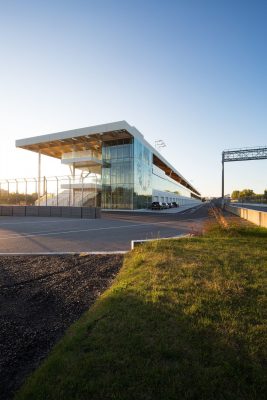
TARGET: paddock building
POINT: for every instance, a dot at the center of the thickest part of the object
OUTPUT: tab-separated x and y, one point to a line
126	171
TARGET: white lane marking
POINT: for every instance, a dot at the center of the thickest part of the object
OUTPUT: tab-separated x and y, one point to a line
62	253
25	235
42	221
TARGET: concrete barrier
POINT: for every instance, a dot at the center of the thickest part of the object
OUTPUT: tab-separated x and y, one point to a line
71	212
89	212
55	211
19	211
44	211
50	211
7	211
256	217
31	211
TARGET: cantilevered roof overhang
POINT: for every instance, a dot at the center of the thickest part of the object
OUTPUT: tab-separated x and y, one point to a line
92	138
57	144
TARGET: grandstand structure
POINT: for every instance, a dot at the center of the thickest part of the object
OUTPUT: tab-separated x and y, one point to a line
112	166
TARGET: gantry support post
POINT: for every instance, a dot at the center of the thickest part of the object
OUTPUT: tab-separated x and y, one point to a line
222	180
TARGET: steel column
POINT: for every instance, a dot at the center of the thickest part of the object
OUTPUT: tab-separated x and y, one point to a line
39	177
73	182
26	190
45	190
222	179
57	190
82	192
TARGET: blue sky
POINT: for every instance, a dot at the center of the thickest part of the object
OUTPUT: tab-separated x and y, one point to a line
190	72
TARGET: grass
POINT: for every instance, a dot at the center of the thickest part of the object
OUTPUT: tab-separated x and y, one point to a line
184	319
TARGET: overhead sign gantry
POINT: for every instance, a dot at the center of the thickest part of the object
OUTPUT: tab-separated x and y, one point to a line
244	154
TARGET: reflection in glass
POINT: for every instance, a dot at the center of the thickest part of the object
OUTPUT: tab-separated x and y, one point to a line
129	176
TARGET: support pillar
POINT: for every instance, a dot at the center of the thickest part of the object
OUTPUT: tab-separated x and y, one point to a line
82	190
57	190
73	182
45	190
26	190
39	177
69	190
95	190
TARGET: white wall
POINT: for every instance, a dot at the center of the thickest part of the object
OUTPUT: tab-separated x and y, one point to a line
158	195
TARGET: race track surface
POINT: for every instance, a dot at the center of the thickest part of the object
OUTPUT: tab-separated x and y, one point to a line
113	232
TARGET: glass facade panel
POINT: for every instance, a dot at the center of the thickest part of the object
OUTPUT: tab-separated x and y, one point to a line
117	174
142	175
129	176
162	182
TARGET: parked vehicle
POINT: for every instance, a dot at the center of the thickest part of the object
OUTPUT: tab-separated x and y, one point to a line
156	205
165	205
174	204
170	205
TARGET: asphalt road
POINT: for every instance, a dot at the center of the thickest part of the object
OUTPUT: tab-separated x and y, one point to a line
113	232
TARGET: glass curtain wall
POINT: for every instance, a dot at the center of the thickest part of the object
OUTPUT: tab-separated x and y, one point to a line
117	174
160	181
128	176
142	197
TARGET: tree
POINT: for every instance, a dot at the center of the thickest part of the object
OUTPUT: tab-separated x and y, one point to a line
235	194
246	193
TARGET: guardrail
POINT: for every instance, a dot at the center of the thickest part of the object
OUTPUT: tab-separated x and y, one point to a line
256	217
50	211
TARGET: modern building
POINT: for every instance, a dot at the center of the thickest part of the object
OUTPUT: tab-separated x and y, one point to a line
130	172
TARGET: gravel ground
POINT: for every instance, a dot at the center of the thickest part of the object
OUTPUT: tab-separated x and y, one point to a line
40	296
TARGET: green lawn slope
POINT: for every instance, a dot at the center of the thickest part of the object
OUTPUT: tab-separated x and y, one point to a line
184	319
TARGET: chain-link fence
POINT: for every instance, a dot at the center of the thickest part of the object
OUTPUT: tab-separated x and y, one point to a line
83	190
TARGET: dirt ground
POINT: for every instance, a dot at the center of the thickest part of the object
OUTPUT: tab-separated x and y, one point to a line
40	296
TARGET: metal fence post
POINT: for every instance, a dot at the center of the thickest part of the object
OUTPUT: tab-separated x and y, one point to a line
39	177
26	190
69	190
82	192
57	190
45	190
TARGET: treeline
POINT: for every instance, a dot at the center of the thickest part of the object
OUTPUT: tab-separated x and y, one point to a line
17	198
248	194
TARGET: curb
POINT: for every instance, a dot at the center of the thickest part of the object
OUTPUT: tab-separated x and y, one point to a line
135	243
